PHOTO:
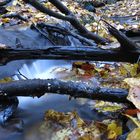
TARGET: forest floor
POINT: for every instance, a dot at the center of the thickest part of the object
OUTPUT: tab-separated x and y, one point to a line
121	121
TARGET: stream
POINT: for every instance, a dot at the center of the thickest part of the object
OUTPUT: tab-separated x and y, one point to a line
31	111
27	119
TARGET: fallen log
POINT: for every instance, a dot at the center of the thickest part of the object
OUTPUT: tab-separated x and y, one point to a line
69	53
38	87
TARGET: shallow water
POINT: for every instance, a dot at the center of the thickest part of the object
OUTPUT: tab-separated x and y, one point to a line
31	110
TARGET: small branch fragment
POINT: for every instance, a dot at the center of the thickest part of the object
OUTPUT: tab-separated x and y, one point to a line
15	15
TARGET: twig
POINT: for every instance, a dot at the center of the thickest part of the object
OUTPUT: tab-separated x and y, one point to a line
22	75
15	15
64	31
42	33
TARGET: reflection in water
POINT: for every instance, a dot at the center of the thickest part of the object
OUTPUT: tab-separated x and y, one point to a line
42	68
31	110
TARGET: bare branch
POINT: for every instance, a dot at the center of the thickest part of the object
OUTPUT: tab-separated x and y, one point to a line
71	18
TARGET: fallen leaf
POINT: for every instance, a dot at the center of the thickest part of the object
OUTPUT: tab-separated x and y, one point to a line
134	96
132	81
134	120
6	80
132	112
114	130
134	135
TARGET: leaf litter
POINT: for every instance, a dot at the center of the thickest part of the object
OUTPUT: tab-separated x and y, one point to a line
69	126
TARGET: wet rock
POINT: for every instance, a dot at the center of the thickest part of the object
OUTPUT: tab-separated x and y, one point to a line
8	107
15	125
90	8
3	10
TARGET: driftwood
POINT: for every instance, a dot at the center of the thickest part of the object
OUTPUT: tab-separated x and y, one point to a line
38	87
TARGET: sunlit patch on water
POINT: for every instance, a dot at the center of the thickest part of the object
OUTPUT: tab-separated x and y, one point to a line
31	110
42	69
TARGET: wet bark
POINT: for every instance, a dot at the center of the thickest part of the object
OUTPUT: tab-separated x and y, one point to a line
122	54
38	87
69	53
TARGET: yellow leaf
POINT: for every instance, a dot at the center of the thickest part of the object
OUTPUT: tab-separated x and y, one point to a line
132	81
86	137
134	120
5	20
134	135
129	69
114	130
123	71
6	80
108	106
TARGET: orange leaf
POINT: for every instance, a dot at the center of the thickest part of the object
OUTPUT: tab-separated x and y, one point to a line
132	112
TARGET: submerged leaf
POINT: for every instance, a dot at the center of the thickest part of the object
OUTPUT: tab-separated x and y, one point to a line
69	126
6	80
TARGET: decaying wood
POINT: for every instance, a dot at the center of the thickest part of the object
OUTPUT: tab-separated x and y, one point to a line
38	87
